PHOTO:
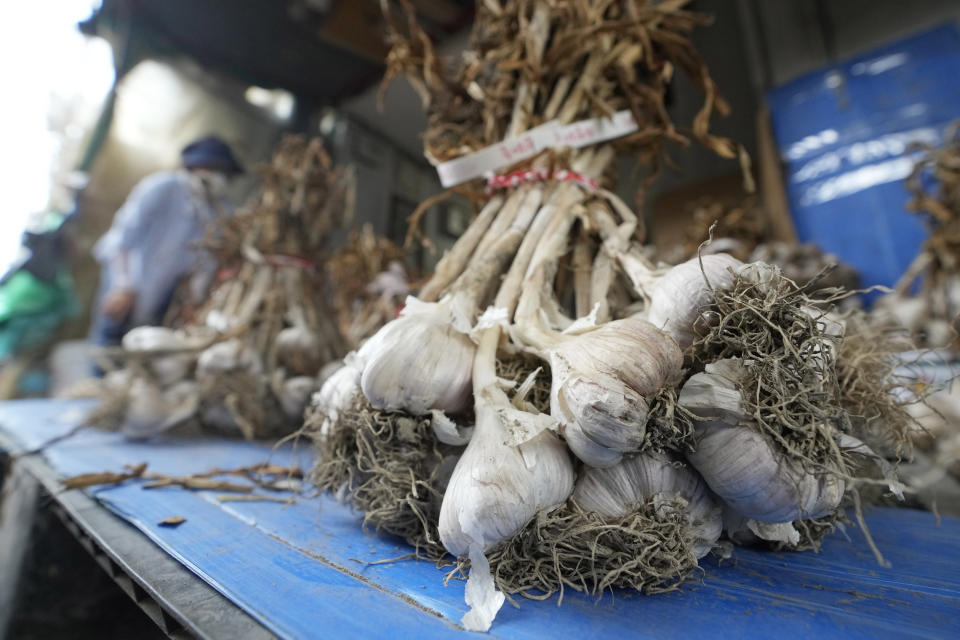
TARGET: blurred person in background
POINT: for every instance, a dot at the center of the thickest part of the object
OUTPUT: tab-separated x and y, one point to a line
152	244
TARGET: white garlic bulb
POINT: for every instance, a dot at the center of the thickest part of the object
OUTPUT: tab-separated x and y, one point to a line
150	410
227	356
742	465
295	394
297	350
678	297
159	345
419	362
496	487
602	382
615	491
336	394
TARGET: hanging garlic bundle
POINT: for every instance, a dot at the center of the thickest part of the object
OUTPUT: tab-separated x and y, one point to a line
372	281
932	314
265	331
573	287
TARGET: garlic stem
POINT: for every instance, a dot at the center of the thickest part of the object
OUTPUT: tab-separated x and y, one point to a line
453	261
501	223
582	280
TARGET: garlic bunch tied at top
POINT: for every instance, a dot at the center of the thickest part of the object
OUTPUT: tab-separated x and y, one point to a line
615	491
422	361
744	466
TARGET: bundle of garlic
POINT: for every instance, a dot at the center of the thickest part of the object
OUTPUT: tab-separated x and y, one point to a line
372	281
932	313
792	405
550	268
251	358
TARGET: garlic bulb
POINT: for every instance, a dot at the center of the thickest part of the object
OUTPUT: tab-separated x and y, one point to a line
151	411
742	465
297	350
153	342
614	492
678	297
602	380
420	361
497	487
295	394
336	395
227	356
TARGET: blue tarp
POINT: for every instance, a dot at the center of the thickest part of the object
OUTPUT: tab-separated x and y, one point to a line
301	568
844	131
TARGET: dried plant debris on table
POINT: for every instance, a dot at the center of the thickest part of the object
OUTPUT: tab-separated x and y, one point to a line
267	476
249	362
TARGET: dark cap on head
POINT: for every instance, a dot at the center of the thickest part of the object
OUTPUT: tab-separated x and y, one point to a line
210	152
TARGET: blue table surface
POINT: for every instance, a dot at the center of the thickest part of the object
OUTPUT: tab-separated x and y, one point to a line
302	569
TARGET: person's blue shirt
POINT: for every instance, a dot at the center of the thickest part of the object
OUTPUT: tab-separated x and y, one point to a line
160	228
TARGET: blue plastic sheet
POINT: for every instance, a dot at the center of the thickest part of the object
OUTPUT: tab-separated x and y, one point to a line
844	133
302	569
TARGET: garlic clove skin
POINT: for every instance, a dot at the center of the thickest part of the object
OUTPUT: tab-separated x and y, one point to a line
419	362
336	395
170	369
615	419
589	451
615	491
601	379
496	488
677	298
743	466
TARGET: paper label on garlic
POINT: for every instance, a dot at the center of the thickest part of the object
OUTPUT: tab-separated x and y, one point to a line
547	136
